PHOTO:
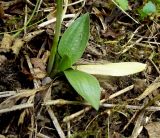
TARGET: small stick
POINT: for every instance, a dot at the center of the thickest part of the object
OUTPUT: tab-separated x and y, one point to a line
130	46
55	122
76	2
63	102
54	20
29	105
68	129
155	66
40	135
72	116
16	107
138	126
156	43
134	107
134	33
7	94
121	92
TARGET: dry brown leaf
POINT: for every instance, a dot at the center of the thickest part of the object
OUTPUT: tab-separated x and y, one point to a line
45	56
40	74
2	59
153	129
18	44
110	33
38	63
6	43
8	40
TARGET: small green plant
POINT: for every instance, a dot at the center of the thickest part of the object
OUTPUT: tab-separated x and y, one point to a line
66	51
147	9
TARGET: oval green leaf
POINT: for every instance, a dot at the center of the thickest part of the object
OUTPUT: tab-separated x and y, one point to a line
74	39
149	8
86	85
112	69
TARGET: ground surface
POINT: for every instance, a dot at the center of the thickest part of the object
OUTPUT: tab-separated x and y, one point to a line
32	107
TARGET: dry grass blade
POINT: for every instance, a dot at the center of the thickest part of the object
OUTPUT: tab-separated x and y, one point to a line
133	107
52	115
21	94
16	107
153	129
138	126
154	86
7	94
55	122
31	35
